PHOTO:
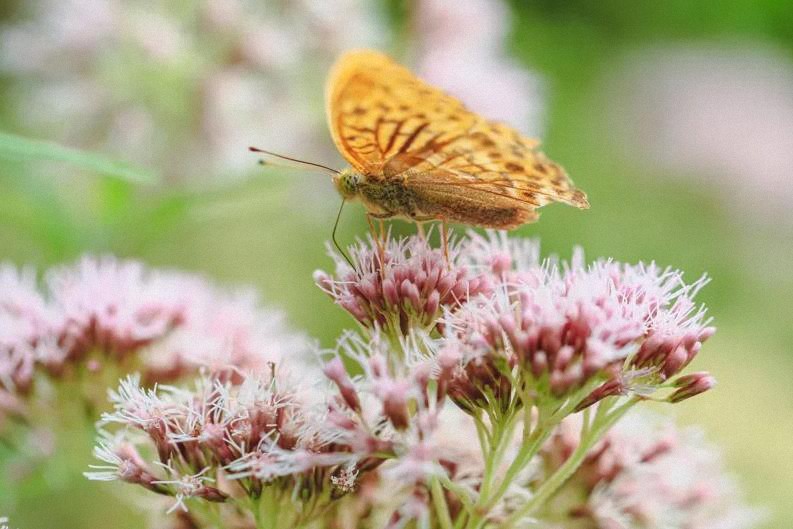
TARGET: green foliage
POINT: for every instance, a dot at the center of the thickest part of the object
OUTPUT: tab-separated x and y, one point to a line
20	148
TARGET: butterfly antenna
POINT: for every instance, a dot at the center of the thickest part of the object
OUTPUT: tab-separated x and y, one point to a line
333	235
294	160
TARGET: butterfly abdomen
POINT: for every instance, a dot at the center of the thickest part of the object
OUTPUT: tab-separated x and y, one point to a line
472	206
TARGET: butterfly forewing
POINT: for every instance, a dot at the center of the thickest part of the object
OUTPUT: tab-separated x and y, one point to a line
378	109
389	124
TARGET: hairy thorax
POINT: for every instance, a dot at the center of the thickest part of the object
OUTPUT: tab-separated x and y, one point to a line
382	198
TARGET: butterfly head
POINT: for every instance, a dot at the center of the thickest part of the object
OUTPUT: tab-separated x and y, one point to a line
347	182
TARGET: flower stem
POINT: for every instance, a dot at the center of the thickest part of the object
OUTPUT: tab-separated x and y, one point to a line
527	452
441	509
563	473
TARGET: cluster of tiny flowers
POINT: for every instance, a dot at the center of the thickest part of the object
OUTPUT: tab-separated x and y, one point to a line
268	435
103	315
216	440
644	473
388	417
223	63
492	406
562	327
408	290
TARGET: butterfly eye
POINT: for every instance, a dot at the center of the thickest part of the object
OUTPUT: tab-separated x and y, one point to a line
347	183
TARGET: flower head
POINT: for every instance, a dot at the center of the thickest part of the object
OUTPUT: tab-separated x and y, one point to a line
409	290
556	328
188	443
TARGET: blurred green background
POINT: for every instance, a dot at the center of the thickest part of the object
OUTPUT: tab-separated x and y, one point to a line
602	123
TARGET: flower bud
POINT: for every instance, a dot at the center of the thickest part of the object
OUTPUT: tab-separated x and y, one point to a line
691	385
336	372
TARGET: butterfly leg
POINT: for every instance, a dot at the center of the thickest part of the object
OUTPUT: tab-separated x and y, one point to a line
383	234
420	230
445	242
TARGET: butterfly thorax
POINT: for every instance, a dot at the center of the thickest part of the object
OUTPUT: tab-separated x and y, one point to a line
382	197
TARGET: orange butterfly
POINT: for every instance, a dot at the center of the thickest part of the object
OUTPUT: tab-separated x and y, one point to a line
419	154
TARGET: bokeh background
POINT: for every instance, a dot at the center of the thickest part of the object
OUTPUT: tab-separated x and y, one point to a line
124	126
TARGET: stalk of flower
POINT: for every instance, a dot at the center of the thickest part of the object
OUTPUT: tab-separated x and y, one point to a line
644	473
408	291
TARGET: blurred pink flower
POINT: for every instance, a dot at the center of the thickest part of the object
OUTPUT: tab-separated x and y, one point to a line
24	318
200	83
461	47
722	114
644	473
104	314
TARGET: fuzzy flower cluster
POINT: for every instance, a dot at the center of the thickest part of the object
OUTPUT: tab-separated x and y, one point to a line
554	329
519	327
199	80
409	290
493	406
102	317
236	441
215	441
644	473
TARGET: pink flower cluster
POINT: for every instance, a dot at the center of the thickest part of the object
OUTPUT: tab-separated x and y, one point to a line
409	290
193	441
643	473
564	326
107	315
268	434
391	408
458	401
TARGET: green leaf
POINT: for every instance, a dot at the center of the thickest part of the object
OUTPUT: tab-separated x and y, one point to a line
14	147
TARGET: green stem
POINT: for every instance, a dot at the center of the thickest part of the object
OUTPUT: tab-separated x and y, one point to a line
564	472
460	492
441	509
501	438
547	421
524	456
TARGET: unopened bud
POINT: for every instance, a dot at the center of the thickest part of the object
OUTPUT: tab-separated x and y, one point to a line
691	385
610	388
336	372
